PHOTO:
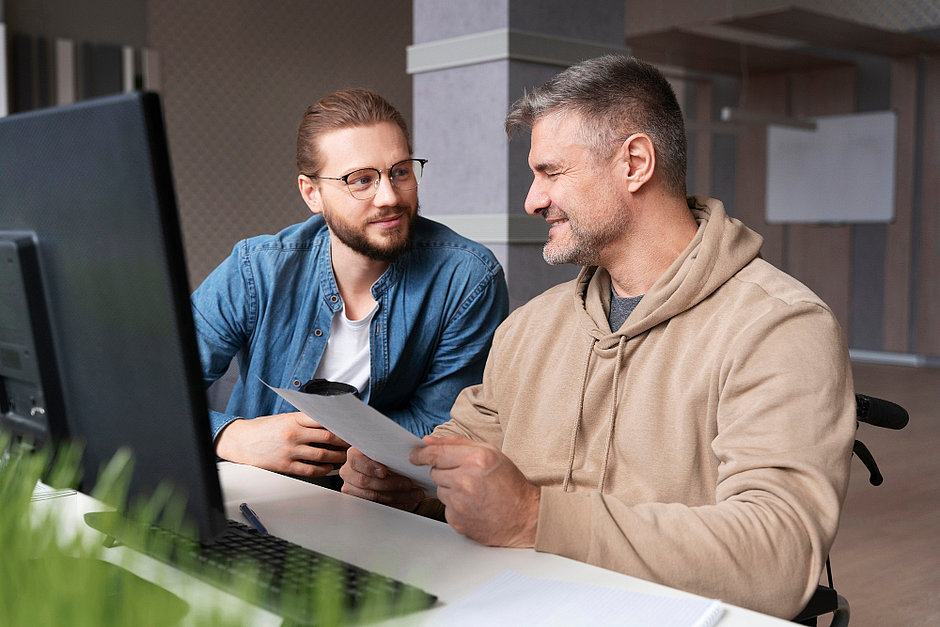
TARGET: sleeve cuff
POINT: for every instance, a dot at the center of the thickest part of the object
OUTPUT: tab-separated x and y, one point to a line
564	523
219	421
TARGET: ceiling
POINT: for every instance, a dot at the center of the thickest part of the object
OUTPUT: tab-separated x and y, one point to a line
773	41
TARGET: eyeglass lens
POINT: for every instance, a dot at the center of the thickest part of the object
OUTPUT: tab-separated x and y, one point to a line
404	175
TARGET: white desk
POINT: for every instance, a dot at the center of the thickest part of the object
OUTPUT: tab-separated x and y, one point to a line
420	551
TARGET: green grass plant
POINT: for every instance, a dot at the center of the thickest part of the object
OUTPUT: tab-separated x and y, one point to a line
50	575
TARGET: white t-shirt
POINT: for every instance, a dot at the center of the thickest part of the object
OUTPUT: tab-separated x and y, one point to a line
346	358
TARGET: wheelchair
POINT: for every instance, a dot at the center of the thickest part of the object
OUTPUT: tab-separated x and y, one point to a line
879	413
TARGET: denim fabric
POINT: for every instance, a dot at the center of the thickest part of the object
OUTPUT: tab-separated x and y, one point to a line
272	300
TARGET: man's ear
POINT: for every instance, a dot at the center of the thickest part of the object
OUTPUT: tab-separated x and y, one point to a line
310	192
638	157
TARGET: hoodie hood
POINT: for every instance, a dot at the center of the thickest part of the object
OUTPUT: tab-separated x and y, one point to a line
722	246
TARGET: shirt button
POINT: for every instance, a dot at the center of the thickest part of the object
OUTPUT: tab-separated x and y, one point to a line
296	383
333	298
318	332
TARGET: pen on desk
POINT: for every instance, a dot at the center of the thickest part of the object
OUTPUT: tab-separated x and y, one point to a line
252	517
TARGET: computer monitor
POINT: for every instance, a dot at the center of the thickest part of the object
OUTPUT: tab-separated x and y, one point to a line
97	341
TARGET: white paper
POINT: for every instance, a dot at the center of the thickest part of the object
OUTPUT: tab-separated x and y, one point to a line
364	427
513	599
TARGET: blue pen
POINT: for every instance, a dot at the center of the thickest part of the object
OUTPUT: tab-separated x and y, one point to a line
251	517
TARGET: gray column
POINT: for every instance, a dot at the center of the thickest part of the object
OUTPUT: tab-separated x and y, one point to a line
470	61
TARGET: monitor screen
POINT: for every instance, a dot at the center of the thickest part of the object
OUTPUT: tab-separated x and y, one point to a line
97	342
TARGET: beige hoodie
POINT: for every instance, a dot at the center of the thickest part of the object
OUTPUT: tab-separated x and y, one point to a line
705	445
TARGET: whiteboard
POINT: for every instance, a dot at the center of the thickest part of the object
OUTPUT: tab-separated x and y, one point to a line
844	171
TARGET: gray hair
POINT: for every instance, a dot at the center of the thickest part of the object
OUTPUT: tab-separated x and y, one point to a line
616	96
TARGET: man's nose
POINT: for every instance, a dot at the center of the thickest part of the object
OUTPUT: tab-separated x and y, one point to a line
386	193
537	200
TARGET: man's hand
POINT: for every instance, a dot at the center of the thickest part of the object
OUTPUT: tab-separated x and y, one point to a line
487	498
290	443
371	480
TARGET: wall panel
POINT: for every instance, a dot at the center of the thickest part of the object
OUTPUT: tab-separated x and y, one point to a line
820	255
701	147
766	93
928	264
897	289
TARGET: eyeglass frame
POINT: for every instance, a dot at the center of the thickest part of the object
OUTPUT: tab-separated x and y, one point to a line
378	181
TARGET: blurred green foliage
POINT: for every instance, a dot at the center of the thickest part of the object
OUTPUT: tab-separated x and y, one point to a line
51	576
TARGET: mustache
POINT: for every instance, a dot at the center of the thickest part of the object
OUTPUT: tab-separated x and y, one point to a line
554	213
403	210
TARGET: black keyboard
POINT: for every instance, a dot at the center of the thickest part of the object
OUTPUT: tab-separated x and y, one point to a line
299	584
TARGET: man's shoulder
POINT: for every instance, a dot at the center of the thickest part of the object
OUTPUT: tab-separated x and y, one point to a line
556	303
300	236
777	285
443	243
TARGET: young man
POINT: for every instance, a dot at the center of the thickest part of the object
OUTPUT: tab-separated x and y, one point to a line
365	292
682	411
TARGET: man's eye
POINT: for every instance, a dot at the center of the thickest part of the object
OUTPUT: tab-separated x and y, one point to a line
361	179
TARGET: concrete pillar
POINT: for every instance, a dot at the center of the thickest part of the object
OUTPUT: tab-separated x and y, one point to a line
469	62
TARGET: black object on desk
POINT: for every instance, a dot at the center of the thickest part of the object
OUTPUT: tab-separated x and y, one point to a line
325	387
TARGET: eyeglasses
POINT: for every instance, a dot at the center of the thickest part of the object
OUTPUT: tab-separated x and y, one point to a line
363	183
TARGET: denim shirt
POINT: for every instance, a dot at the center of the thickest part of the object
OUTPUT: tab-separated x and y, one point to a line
272	301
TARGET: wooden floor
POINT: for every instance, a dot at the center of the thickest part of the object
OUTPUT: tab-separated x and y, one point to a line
886	558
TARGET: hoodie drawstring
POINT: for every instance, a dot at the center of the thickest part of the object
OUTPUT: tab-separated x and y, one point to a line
613	412
577	422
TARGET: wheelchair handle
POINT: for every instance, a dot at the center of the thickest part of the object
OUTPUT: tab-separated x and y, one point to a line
880	413
874	474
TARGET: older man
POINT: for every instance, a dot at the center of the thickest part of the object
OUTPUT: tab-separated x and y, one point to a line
682	411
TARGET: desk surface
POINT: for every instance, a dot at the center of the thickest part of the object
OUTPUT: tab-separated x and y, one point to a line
420	551
417	550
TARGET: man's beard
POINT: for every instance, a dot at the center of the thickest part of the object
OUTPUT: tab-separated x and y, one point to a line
585	244
393	243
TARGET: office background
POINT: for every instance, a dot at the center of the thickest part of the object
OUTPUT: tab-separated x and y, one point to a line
236	75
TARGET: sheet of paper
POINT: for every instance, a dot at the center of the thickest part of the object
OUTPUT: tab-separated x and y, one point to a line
364	427
512	599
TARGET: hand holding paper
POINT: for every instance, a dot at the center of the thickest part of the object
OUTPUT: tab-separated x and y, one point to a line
365	428
371	480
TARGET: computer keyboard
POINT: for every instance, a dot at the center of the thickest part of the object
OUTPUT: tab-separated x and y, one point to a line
299	584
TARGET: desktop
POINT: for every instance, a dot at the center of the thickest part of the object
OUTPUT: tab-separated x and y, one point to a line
97	343
100	321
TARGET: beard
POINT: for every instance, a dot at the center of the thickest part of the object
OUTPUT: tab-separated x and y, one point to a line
386	246
586	240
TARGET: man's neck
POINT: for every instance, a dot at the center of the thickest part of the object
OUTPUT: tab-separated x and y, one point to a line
655	239
355	274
